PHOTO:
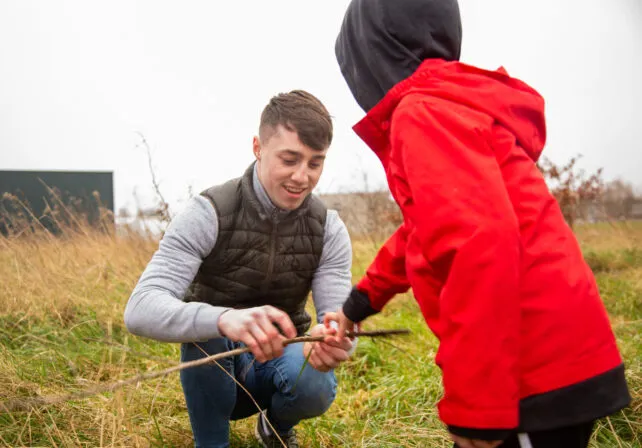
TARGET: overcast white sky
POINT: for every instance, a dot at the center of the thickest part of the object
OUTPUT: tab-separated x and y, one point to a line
79	78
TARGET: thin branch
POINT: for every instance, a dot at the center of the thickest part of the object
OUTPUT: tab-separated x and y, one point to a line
22	405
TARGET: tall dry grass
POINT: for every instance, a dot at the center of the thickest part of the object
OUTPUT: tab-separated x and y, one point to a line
61	330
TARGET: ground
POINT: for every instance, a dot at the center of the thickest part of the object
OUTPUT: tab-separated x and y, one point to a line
61	330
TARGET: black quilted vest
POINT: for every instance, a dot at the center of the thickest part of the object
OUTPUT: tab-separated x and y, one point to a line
259	259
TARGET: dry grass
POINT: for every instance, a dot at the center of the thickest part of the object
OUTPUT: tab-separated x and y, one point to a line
60	298
610	236
54	276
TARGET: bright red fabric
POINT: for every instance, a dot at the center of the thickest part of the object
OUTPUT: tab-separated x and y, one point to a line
497	273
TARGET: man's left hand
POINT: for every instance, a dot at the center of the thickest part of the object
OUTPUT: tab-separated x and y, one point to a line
328	354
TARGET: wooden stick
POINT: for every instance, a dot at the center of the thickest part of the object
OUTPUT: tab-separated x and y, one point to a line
28	404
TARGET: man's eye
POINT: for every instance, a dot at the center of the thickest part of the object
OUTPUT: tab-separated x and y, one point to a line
315	165
289	162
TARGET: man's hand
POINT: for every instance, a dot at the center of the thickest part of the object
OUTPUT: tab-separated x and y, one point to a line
255	328
463	442
328	354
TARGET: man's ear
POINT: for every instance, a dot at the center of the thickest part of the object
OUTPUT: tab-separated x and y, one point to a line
256	147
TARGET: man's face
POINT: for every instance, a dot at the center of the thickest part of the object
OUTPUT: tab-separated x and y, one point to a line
287	169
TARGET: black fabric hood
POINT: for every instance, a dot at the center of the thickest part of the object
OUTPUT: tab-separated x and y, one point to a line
382	42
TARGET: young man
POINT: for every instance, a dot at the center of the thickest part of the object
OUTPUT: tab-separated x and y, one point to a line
236	267
526	349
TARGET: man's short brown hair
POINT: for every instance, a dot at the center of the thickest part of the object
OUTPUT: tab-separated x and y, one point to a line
301	112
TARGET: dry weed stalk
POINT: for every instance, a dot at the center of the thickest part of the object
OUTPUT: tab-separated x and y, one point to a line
163	206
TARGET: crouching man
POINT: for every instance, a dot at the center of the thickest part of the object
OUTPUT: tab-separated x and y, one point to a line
235	269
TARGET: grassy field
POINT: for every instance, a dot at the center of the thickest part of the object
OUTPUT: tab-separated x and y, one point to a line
61	330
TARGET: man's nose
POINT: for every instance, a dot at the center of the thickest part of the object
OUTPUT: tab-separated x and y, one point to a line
300	174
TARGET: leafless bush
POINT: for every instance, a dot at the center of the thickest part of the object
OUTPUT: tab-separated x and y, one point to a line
576	192
619	199
372	214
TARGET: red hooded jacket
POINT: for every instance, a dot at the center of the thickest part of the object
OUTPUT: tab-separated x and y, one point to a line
497	273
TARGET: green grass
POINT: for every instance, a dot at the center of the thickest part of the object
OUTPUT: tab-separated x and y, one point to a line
60	302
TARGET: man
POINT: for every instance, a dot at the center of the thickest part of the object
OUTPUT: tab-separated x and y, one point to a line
235	269
526	349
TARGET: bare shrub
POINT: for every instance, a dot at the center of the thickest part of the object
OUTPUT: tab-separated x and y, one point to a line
576	191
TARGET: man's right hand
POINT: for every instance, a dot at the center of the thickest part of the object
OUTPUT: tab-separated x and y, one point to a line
255	328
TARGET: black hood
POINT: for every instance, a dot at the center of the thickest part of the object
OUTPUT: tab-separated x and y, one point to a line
382	42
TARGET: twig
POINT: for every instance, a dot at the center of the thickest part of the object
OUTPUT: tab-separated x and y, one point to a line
33	403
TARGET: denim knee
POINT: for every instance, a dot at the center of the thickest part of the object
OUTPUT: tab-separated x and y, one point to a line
312	394
318	396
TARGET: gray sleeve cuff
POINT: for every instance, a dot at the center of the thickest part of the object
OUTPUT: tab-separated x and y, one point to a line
206	322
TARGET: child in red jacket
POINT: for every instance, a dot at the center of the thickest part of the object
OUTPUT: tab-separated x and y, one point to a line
526	349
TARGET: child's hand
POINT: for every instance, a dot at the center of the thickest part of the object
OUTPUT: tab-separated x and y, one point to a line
343	324
463	442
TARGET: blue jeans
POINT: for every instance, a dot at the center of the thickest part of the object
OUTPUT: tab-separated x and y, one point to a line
213	398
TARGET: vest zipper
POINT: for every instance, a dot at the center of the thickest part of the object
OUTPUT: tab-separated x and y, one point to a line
270	268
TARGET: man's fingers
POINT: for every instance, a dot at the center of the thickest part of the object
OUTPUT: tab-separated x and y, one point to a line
329	339
282	319
346	344
338	354
329	336
324	357
343	344
317	363
254	346
263	342
332	355
277	345
316	360
274	338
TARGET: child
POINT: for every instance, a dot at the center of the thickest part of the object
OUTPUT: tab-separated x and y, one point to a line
526	349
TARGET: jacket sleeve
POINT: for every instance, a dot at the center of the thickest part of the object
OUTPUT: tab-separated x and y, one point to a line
385	277
469	234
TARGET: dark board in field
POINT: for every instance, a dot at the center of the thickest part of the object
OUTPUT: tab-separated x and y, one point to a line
47	192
